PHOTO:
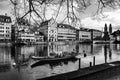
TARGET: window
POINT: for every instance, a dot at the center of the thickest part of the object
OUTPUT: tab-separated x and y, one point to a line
84	35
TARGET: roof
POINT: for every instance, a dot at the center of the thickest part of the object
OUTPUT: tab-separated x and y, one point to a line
84	29
94	30
22	21
5	19
45	22
115	33
65	26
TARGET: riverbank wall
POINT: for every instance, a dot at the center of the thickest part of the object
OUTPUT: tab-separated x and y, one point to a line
75	75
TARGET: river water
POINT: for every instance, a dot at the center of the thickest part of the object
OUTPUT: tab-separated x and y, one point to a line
10	56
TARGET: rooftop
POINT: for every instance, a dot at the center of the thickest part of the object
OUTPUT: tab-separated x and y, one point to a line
65	26
115	33
5	19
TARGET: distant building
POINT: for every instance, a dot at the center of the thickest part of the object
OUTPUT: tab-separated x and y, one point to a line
66	32
49	29
96	34
116	35
5	28
84	34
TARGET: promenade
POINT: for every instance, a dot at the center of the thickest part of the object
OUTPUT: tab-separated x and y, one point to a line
84	74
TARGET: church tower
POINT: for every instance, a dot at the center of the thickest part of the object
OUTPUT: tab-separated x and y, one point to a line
110	29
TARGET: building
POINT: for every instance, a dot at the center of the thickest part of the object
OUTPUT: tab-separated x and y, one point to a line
21	27
84	34
96	34
49	30
39	37
5	28
116	35
66	32
22	24
26	37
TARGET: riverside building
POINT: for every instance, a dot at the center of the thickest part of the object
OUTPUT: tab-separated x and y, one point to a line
5	28
66	32
84	34
49	29
96	34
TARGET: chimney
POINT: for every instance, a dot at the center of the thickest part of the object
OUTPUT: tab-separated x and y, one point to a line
5	14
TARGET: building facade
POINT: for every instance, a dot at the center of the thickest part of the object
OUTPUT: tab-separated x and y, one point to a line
5	28
49	29
96	34
84	34
116	35
66	32
26	37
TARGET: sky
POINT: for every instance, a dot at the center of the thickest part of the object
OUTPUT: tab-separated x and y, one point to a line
87	19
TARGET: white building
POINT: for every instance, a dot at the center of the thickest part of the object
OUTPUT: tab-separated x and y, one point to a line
84	34
96	34
66	32
5	28
49	29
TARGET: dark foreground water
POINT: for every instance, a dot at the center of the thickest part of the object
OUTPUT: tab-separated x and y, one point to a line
10	56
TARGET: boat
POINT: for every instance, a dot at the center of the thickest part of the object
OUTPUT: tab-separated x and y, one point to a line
38	58
52	60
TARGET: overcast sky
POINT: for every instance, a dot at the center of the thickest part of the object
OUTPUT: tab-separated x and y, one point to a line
87	19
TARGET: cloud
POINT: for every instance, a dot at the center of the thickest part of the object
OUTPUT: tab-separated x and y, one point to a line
112	17
5	5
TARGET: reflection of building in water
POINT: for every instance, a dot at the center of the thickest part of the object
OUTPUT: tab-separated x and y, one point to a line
105	53
5	58
27	51
89	49
116	47
61	48
86	48
97	48
41	50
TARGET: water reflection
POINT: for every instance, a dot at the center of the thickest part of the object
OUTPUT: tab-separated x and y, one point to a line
18	58
110	54
105	53
5	58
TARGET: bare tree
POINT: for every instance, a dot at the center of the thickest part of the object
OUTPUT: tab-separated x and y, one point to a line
73	7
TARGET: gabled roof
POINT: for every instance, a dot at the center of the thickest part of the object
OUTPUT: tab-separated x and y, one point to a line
5	19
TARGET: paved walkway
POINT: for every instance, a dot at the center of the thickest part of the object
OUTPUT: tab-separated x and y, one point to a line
83	72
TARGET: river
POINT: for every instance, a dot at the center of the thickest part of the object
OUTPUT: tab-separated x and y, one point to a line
13	55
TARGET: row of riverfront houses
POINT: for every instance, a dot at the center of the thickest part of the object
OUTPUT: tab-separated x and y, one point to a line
62	32
48	30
